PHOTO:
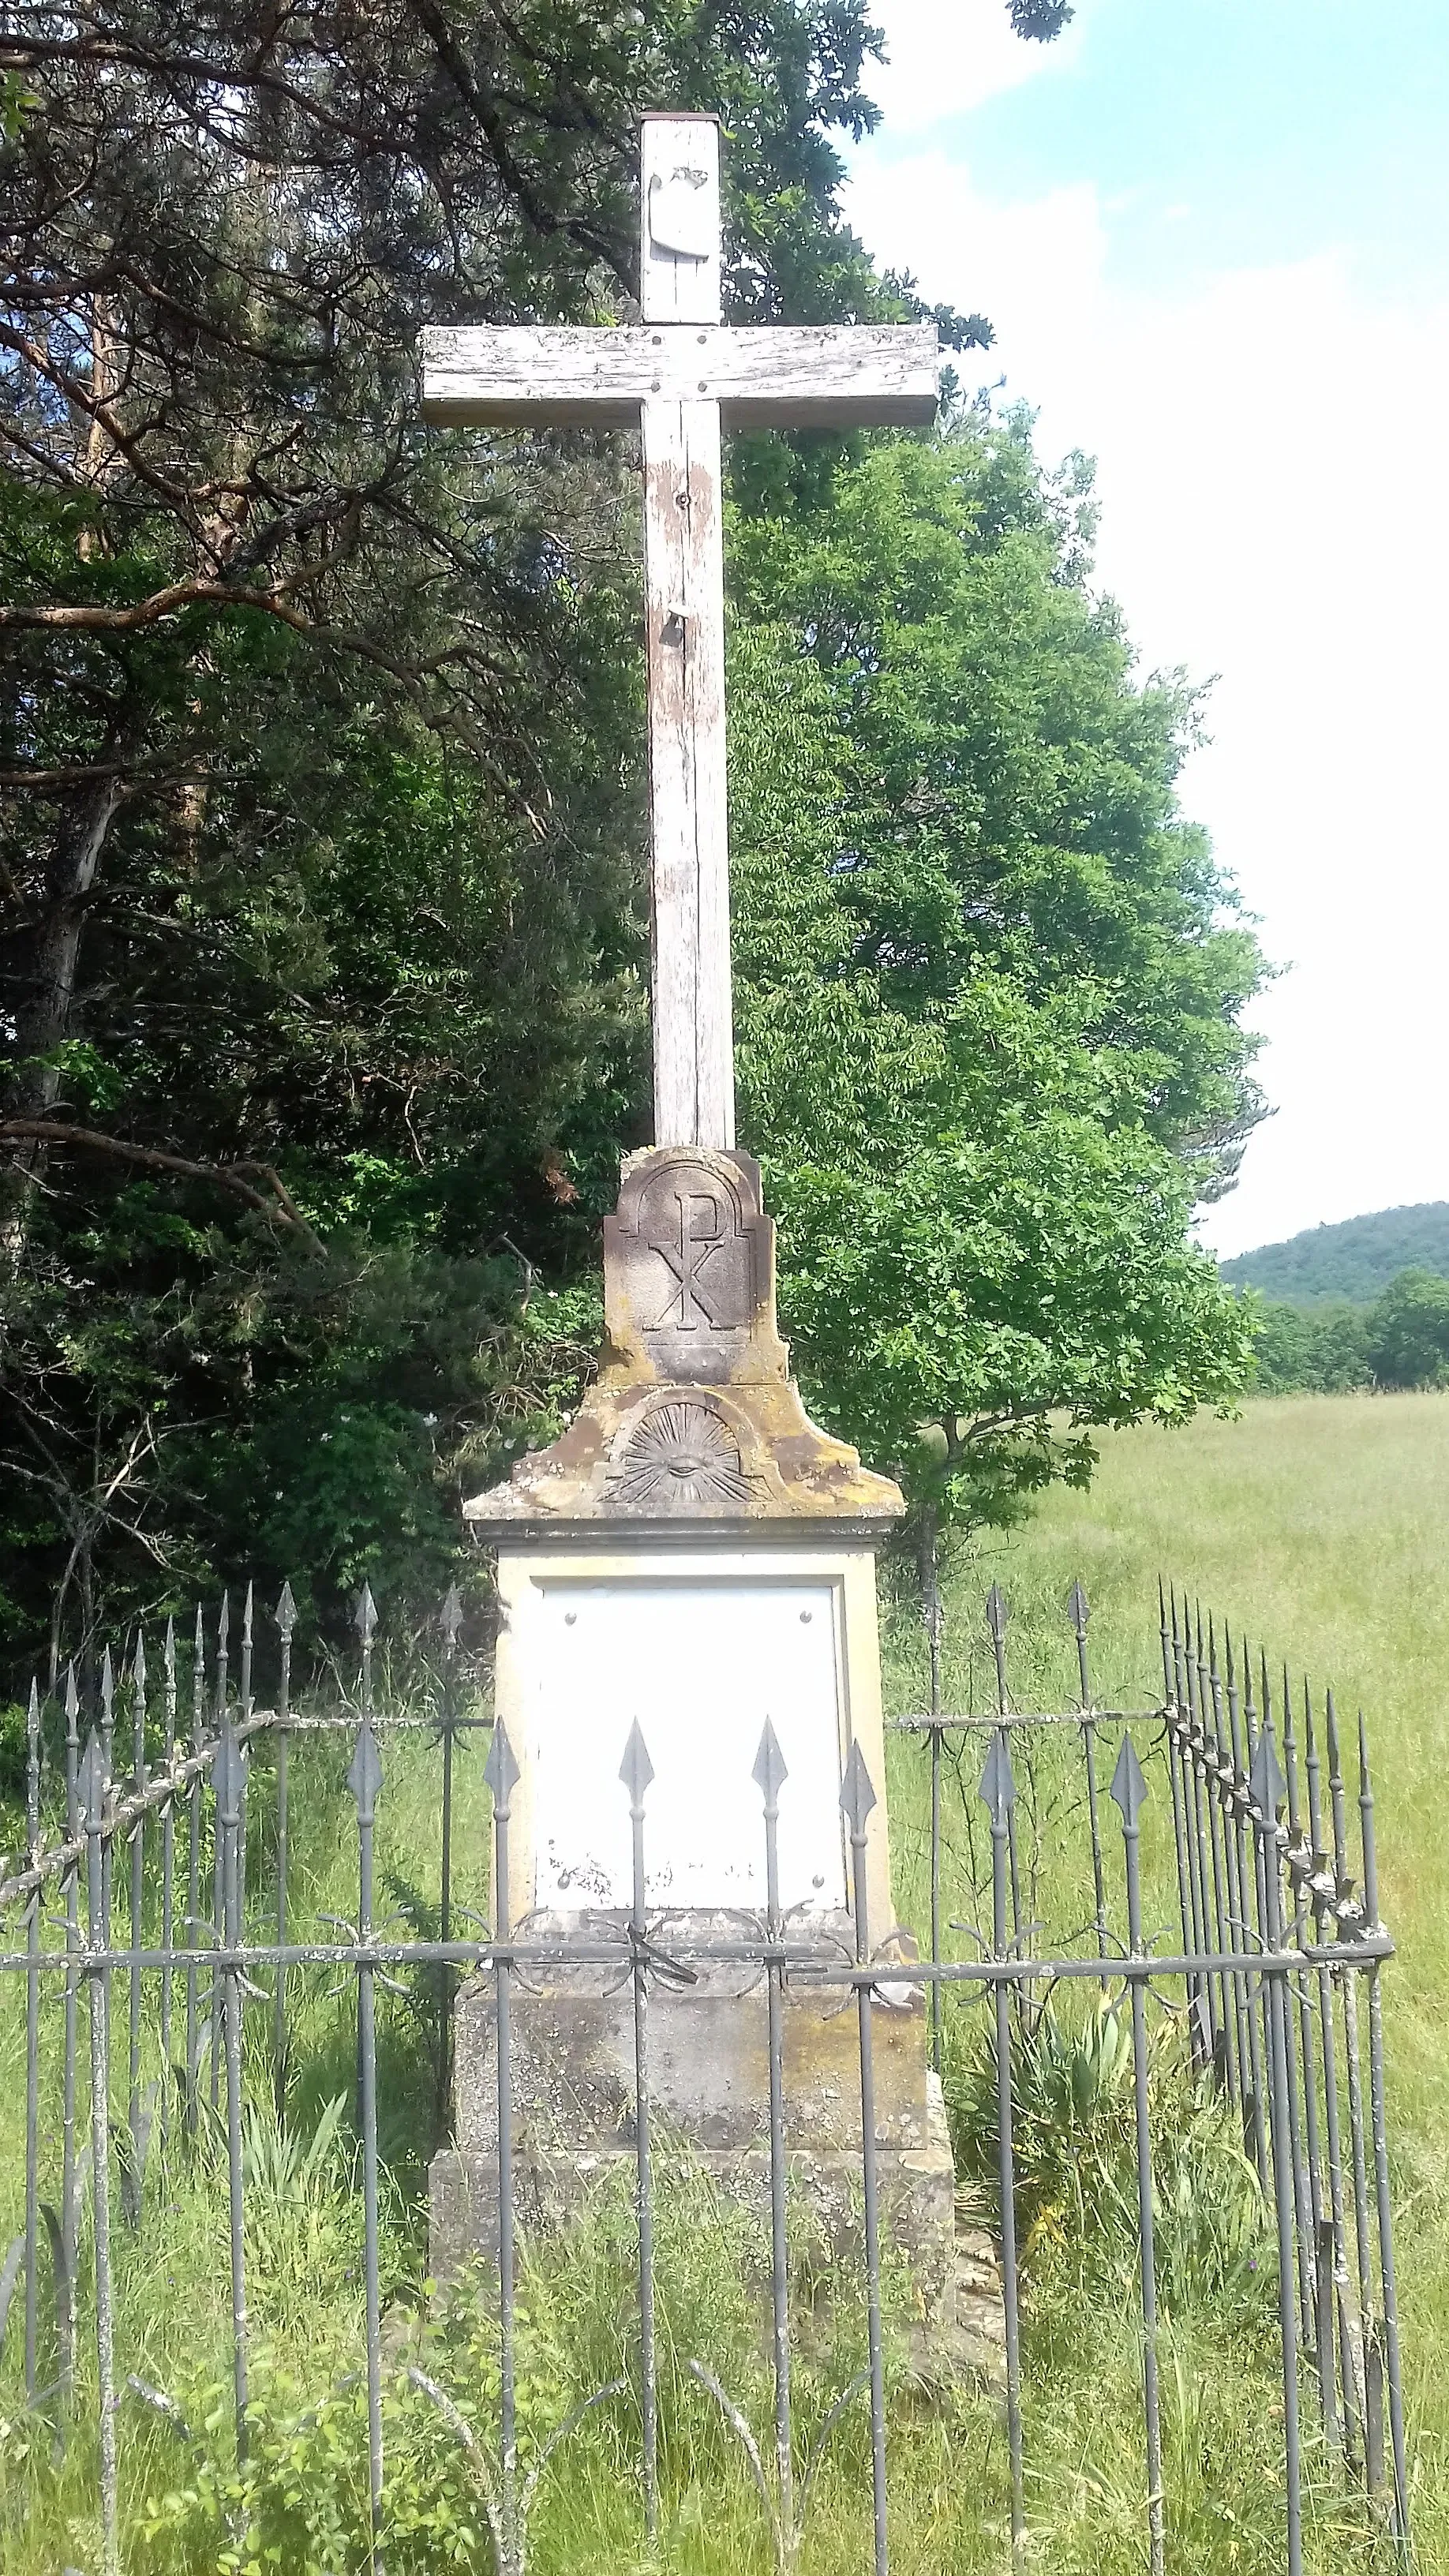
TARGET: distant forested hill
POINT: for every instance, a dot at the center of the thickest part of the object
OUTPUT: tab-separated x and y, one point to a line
1354	1260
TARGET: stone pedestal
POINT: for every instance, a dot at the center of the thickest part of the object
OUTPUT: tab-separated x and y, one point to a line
694	1556
573	2059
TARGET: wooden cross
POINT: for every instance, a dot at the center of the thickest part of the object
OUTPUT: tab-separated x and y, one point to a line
680	376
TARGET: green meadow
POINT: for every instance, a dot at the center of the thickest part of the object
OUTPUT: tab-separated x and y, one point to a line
1315	1526
1319	1525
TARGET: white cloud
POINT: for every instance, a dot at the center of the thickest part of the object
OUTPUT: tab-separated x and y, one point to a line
1271	453
946	56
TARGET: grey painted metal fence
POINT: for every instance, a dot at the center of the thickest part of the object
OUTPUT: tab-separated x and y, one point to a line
151	1923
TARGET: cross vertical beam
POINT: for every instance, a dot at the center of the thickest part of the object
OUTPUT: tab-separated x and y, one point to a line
679	374
694	1080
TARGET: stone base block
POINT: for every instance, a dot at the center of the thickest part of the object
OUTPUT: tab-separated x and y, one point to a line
551	2190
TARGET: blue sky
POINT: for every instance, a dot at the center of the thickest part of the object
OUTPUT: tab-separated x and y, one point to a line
1221	131
1213	236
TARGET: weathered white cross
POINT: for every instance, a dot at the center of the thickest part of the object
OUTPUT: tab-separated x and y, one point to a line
682	375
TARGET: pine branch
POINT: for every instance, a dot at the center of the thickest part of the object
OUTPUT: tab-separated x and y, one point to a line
152	1158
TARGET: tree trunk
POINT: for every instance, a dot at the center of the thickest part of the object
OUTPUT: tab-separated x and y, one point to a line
47	981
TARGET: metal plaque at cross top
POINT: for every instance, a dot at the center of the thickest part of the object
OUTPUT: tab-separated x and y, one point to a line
679	376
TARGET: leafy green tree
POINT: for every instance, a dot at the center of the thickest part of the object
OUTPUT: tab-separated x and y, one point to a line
989	978
1408	1331
1311	1350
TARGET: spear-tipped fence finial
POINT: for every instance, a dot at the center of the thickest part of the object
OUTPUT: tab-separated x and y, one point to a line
450	1617
364	1777
285	1614
365	1615
770	1773
1129	1789
636	1770
91	1784
1078	1610
501	1769
32	1768
857	1792
228	1772
1366	1822
1266	1779
998	1785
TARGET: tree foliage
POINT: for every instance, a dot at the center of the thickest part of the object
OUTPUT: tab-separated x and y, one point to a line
988	1023
1400	1341
324	938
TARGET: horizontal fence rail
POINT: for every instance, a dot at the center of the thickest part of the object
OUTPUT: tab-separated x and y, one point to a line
153	1928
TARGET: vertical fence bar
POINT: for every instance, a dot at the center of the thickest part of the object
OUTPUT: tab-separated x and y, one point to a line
245	1697
1225	1769
1079	1613
1350	2361
1255	2123
857	1798
1268	1789
69	2318
1129	1789
168	1876
1273	1846
1387	2284
286	1619
451	1621
501	1774
1182	1739
1353	2087
365	1782
108	1718
193	1869
93	1799
1318	2318
1170	1721
996	1617
1210	1695
108	1766
218	1892
998	1795
770	1776
32	2046
228	1772
931	1610
138	1895
1200	1835
636	1772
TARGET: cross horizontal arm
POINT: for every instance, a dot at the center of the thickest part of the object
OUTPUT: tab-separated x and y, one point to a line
769	377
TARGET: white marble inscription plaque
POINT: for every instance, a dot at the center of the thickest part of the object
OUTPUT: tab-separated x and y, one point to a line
701	1664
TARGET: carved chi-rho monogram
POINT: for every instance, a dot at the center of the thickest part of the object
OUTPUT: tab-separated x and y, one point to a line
697	1236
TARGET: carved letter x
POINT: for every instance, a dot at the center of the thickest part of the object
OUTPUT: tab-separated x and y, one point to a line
686	1259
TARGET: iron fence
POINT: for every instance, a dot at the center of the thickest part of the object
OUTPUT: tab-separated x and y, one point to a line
154	1912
